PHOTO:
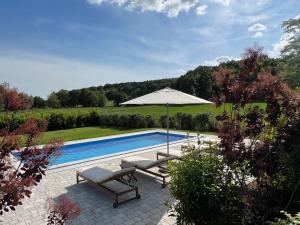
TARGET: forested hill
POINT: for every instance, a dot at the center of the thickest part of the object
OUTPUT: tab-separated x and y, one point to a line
196	82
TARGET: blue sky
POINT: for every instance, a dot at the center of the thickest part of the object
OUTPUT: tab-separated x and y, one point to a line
53	44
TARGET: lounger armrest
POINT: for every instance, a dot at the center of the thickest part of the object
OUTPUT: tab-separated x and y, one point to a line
118	174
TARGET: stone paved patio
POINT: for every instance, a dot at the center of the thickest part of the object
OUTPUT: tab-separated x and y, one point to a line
95	202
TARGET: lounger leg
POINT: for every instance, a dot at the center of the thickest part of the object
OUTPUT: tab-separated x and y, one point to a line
163	185
116	203
77	178
137	195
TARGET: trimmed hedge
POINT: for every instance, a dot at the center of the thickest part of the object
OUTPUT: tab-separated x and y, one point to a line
59	121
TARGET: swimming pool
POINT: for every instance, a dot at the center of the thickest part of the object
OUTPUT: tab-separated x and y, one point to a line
110	146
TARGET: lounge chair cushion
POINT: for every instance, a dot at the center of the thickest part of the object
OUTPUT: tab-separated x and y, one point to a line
101	175
173	152
144	163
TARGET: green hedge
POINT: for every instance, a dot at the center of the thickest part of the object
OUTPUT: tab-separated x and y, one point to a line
61	120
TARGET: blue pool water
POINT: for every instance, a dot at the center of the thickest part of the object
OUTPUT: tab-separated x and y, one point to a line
86	150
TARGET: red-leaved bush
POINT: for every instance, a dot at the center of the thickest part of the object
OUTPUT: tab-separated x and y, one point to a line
265	138
62	211
11	99
18	177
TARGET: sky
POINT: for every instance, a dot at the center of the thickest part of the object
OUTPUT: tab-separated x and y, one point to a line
48	45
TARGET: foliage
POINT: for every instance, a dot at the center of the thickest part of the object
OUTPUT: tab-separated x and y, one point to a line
291	52
63	98
16	182
53	101
186	83
289	220
62	211
202	122
206	191
204	83
272	149
39	102
119	97
11	99
65	119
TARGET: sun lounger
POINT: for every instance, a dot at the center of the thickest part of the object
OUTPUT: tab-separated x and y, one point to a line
148	166
113	182
172	152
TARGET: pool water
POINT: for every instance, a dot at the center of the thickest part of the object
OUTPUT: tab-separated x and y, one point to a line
86	150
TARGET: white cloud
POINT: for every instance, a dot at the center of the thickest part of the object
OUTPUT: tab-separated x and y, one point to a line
218	60
223	2
279	46
258	34
170	7
257	29
201	10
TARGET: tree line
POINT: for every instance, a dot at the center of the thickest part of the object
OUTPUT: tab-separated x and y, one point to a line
198	82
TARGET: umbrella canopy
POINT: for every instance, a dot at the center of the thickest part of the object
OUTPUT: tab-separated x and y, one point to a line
166	96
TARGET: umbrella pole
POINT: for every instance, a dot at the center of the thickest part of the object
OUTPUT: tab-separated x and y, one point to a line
167	128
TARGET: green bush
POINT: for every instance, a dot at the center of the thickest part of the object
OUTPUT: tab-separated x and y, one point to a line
289	220
202	122
183	121
205	191
65	119
56	121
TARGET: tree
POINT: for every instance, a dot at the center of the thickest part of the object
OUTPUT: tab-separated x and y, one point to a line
39	102
16	182
88	98
74	98
291	52
186	83
11	99
101	99
204	85
119	97
53	101
63	97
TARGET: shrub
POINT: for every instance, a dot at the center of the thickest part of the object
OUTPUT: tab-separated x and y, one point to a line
205	191
289	220
163	121
150	121
56	121
202	122
65	119
183	121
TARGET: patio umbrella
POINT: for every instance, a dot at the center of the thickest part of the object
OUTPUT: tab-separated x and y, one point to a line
167	96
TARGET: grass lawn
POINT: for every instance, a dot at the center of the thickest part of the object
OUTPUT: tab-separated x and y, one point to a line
89	132
84	132
143	110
